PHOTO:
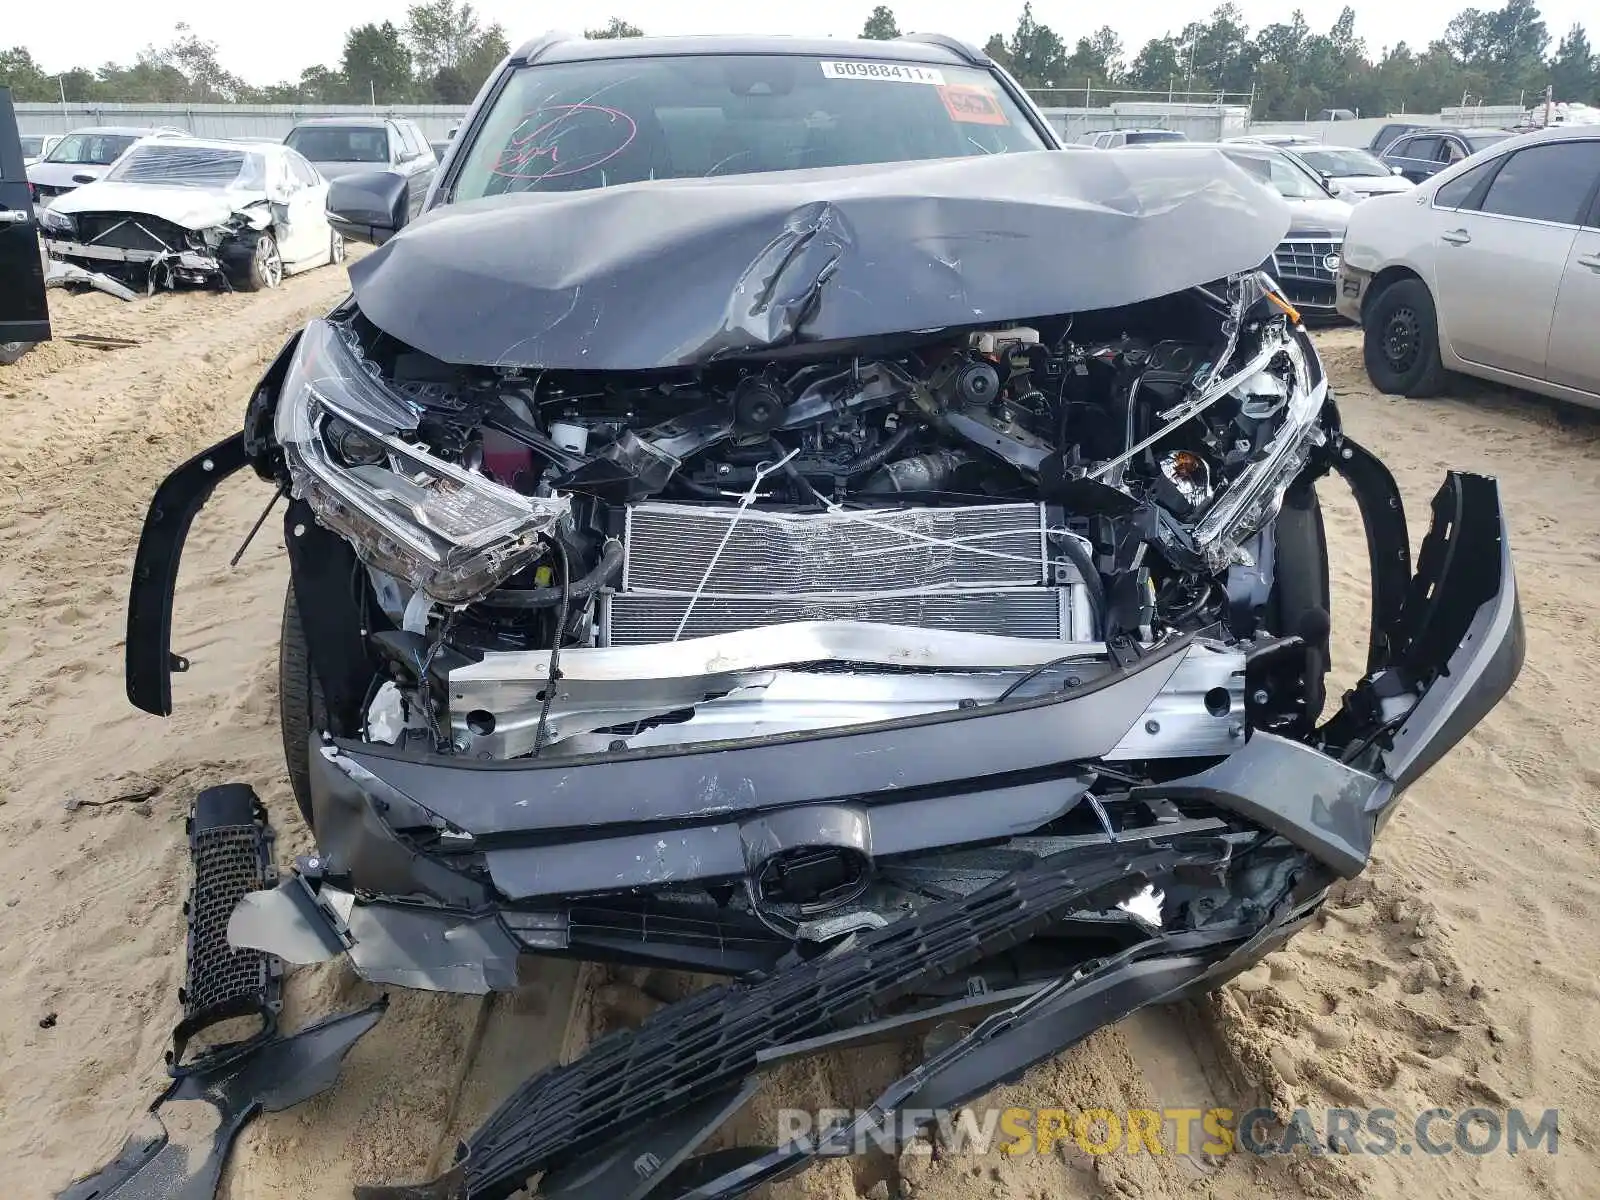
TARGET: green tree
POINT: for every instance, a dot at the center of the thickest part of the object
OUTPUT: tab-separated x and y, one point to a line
441	34
996	49
24	77
1038	56
377	63
484	57
880	26
1574	71
616	27
1156	66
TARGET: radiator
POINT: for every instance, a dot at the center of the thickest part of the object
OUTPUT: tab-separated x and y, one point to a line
979	569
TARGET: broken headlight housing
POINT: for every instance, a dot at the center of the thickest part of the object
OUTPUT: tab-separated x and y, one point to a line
50	221
449	532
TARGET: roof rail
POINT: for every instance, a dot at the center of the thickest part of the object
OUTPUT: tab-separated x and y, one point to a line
531	50
956	46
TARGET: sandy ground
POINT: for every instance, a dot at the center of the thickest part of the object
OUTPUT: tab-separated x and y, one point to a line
1460	971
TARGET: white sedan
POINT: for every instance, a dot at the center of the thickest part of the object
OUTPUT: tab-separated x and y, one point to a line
1490	268
1359	174
187	210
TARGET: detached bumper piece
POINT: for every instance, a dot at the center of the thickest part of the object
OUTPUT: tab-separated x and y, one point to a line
230	846
623	1120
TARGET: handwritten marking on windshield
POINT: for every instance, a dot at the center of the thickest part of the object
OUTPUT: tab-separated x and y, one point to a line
565	139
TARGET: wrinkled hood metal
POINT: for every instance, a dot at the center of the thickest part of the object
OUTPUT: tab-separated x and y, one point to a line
191	207
675	272
1328	215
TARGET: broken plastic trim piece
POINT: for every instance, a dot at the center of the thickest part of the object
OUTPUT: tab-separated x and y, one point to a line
230	847
697	1052
265	1078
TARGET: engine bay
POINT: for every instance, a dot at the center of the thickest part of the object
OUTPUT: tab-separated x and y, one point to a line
1062	494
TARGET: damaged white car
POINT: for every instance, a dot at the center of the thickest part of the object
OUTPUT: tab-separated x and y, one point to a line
186	211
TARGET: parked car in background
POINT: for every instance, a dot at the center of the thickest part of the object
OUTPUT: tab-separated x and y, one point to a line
1381	140
1111	139
190	211
1305	261
24	315
84	155
36	145
340	146
1423	154
1493	271
1359	174
1335	114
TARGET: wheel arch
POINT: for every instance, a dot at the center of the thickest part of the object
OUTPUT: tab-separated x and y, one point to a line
1387	278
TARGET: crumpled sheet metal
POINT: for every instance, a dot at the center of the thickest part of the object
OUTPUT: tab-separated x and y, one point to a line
677	272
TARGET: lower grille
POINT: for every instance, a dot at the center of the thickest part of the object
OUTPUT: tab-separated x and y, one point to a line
975	569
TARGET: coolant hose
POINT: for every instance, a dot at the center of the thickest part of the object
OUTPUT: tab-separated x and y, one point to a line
876	458
1092	583
548	597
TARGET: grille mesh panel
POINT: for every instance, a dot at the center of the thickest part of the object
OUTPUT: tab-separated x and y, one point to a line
1302	258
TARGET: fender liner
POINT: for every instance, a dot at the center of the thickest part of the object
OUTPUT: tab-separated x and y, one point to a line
147	657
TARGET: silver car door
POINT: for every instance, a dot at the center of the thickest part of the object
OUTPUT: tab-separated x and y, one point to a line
1499	268
1573	359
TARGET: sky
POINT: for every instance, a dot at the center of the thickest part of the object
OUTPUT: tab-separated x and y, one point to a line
276	41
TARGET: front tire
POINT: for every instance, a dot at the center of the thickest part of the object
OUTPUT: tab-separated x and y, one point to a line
1400	341
301	709
262	269
336	247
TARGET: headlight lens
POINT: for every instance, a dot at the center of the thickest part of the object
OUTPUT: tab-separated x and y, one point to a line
1254	498
53	222
451	533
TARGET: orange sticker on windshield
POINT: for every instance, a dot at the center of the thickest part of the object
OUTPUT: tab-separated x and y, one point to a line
972	105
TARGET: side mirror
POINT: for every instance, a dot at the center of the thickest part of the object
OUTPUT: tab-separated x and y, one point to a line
1397	170
82	178
368	207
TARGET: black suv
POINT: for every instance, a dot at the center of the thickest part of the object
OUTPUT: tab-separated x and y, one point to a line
341	146
24	316
1423	153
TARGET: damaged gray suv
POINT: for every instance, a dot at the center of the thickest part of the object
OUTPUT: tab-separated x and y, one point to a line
778	514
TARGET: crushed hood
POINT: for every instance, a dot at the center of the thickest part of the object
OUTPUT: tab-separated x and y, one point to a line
191	207
675	272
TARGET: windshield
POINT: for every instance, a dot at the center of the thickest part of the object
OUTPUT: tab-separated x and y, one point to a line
91	149
1342	160
341	143
1280	173
191	166
573	126
1156	135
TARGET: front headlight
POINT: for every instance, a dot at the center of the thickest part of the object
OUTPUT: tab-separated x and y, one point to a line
53	222
451	533
1256	495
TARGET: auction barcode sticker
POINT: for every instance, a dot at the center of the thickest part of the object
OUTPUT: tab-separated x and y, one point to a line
887	72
